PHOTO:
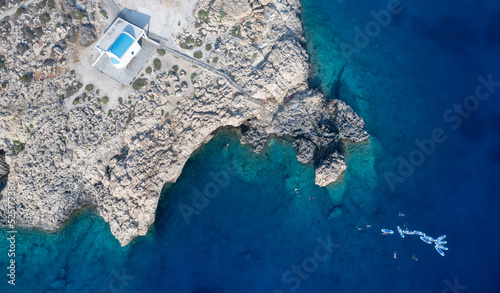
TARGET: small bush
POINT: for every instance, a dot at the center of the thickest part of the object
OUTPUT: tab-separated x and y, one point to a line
203	15
139	83
18	146
215	60
20	10
120	100
161	52
254	55
28	77
198	55
4	84
222	14
236	31
197	24
208	47
157	64
149	70
175	68
89	87
198	43
193	76
79	85
80	14
38	32
51	4
22	48
103	13
41	4
44	18
84	95
105	99
76	101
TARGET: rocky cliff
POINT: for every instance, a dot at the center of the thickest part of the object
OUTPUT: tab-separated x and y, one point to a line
118	155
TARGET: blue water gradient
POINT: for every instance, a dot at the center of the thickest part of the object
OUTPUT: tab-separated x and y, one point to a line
258	234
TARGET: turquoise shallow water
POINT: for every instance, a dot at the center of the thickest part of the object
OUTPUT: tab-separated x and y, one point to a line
258	235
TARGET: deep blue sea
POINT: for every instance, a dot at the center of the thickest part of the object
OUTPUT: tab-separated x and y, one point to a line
425	76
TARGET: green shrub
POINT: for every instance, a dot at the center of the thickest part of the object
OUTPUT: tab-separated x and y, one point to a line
105	99
18	146
149	70
120	100
80	14
22	48
198	43
193	76
38	32
222	14
41	4
175	68
28	33
103	13
20	10
79	85
2	64
157	64
197	24
215	60
236	31
51	4
161	52
76	101
254	55
89	87
208	47
28	77
139	83
44	18
84	95
203	15
198	55
4	84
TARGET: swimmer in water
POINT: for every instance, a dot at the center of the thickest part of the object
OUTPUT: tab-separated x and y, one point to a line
401	214
415	258
296	190
311	197
395	254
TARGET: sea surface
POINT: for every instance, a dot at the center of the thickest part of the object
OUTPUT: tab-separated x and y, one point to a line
431	164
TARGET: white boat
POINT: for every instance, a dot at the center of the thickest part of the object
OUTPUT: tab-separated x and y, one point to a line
387	231
439	250
426	239
419	233
441	238
409	232
401	232
443	247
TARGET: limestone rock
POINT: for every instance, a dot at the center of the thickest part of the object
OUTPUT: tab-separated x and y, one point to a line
329	169
350	124
87	36
305	150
